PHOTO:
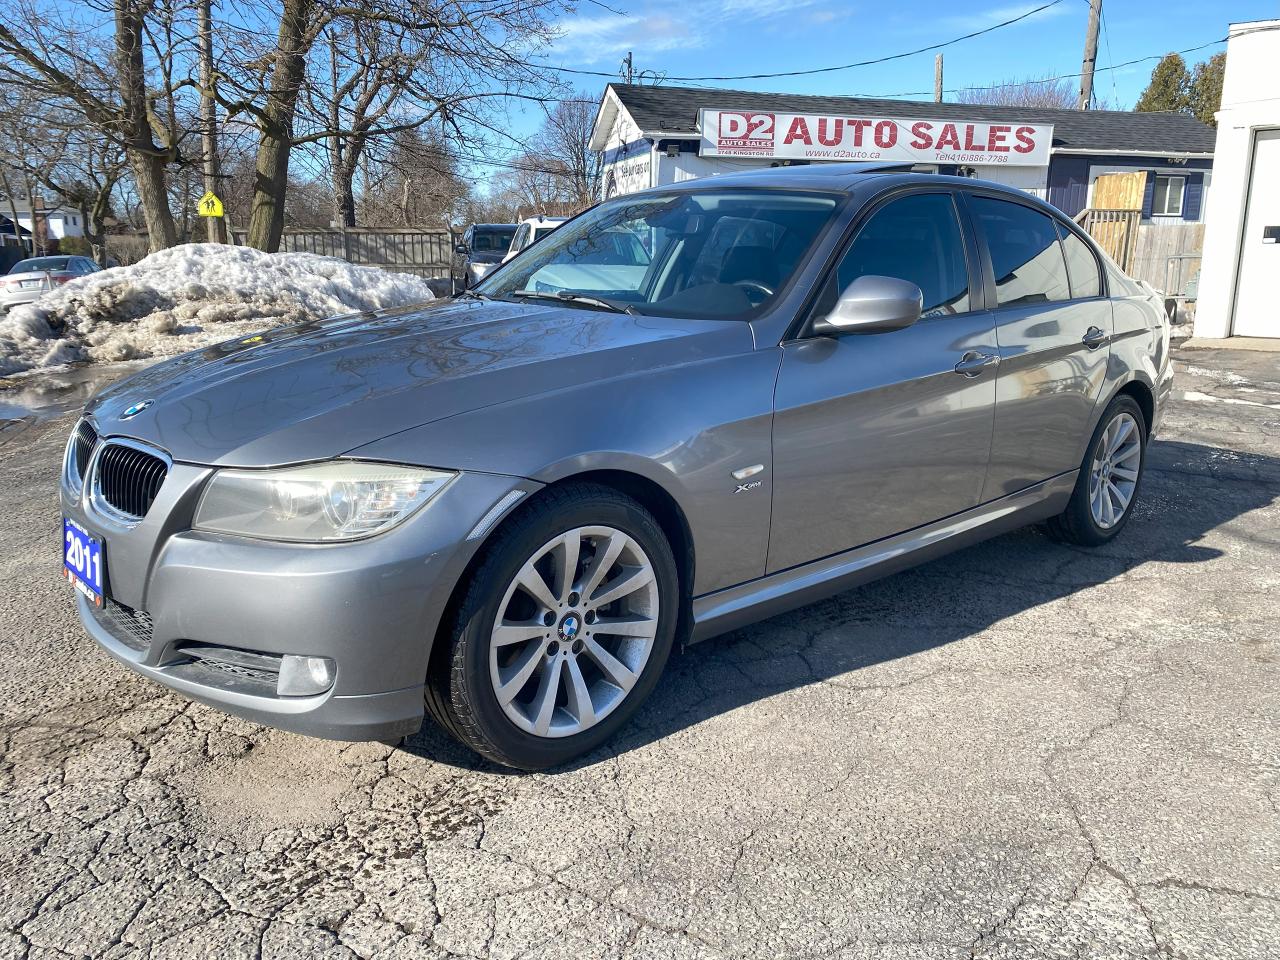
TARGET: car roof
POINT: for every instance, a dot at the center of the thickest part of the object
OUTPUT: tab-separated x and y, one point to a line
848	178
535	221
494	226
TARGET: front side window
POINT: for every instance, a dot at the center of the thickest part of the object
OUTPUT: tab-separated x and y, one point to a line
1167	199
1082	266
717	254
1026	257
916	238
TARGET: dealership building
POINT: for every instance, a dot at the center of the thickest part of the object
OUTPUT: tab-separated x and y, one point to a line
655	135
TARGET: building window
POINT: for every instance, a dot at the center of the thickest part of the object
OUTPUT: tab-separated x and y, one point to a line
1167	201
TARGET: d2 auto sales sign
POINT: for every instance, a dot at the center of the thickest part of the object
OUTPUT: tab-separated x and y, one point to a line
800	136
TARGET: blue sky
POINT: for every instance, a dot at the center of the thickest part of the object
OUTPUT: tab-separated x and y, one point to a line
718	37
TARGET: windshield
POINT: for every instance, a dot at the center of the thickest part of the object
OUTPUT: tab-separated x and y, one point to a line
711	254
40	263
492	240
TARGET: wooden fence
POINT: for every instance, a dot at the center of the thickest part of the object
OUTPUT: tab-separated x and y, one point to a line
1165	255
424	253
1168	256
1116	231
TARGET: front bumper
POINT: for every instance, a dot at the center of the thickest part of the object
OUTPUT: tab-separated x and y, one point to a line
208	615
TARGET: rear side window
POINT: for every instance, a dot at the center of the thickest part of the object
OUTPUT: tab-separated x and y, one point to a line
1082	266
1026	257
916	238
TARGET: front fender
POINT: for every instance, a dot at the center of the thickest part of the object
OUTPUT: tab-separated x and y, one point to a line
686	428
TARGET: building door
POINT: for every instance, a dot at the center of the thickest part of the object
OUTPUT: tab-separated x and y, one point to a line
1258	280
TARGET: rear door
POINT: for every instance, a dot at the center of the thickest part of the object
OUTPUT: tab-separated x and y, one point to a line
875	434
1053	326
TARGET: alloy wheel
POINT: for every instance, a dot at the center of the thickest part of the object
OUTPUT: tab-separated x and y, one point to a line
1113	475
574	631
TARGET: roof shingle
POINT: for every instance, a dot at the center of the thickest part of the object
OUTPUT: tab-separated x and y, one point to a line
675	110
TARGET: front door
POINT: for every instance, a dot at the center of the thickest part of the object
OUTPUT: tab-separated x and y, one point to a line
1053	326
875	434
1258	288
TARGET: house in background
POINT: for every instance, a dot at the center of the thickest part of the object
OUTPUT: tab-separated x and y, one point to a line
1081	161
61	221
653	135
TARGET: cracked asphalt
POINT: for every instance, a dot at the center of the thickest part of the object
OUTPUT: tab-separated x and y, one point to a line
1019	751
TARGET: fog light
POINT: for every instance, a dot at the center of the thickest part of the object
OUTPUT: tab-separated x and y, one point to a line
304	676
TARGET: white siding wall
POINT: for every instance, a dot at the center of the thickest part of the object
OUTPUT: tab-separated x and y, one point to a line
60	224
1250	102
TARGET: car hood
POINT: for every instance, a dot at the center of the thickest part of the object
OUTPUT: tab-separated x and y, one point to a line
488	256
321	389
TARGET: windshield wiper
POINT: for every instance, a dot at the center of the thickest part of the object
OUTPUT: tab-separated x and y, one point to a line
568	296
473	294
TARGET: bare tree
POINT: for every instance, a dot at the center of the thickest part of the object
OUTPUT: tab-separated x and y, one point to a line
412	181
1033	92
455	60
106	79
563	144
46	148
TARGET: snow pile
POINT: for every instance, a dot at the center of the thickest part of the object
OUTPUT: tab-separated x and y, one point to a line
187	297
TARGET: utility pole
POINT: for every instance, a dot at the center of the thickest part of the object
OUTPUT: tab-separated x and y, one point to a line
216	226
628	74
1090	56
937	79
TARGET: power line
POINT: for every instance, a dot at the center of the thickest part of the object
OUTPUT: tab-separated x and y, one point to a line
1064	76
843	66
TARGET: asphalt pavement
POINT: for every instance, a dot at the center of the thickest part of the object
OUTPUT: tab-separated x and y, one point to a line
1022	750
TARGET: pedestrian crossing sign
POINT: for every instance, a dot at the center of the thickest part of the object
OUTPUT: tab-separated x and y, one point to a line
209	205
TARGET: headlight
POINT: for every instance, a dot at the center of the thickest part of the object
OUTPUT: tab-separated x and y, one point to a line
339	500
478	270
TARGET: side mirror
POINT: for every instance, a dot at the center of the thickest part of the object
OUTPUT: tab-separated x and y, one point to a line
460	248
873	304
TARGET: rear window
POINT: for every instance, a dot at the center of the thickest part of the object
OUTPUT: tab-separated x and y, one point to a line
492	241
40	263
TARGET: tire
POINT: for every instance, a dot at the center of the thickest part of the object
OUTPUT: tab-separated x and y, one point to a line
1086	521
493	695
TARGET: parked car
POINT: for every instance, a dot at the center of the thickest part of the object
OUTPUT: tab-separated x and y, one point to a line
530	231
482	248
507	507
612	259
27	280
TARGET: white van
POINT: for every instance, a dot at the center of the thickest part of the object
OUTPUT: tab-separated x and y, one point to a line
531	229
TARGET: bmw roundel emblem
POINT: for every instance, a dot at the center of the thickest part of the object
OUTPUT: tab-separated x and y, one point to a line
570	626
136	409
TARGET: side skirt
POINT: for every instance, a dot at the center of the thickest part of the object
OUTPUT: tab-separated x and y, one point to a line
733	607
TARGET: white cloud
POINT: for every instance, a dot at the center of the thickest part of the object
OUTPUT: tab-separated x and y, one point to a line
660	27
978	19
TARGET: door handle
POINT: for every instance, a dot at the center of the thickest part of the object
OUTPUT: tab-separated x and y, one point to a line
973	363
1094	338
